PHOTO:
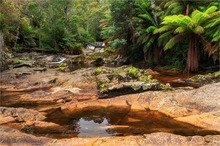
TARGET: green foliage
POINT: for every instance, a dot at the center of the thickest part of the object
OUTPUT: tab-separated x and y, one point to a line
143	78
133	71
183	26
217	74
99	71
63	67
53	24
117	25
146	23
137	28
146	78
117	43
102	86
110	50
18	61
166	87
149	77
26	58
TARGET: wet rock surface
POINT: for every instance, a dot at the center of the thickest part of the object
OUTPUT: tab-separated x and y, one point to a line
41	102
148	139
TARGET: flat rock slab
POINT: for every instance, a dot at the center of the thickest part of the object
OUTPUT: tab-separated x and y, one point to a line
199	107
11	137
20	114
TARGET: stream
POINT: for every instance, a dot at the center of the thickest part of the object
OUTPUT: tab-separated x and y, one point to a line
101	122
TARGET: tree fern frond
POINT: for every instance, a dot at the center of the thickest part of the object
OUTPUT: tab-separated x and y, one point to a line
145	39
173	5
198	16
173	41
145	49
177	20
177	9
216	36
213	34
150	29
213	23
165	28
148	18
211	10
149	42
141	37
199	30
168	4
180	29
166	34
214	14
192	25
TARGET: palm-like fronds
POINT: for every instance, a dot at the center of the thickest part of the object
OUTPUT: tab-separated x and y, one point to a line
193	27
146	27
174	7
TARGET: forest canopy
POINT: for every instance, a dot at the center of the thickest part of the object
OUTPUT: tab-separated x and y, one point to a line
180	33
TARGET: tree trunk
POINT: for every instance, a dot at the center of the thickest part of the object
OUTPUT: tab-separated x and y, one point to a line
156	54
17	36
187	10
192	56
2	57
1	43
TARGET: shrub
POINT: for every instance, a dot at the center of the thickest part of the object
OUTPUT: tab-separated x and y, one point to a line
133	71
149	77
63	67
143	78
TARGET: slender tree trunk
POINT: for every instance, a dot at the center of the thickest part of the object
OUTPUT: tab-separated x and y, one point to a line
2	58
187	10
17	36
192	56
1	50
1	43
156	54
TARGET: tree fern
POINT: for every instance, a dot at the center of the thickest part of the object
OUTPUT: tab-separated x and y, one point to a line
173	41
146	27
193	27
180	29
211	9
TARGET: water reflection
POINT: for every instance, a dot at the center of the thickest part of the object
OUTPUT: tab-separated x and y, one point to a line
91	128
103	123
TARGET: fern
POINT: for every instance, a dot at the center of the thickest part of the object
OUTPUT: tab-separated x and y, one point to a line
165	28
211	10
198	16
199	30
151	29
166	34
173	41
180	29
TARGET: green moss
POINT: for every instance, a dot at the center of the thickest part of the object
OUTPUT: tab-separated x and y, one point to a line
150	77
217	73
63	67
143	78
99	71
166	86
18	61
133	71
110	50
26	58
102	87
